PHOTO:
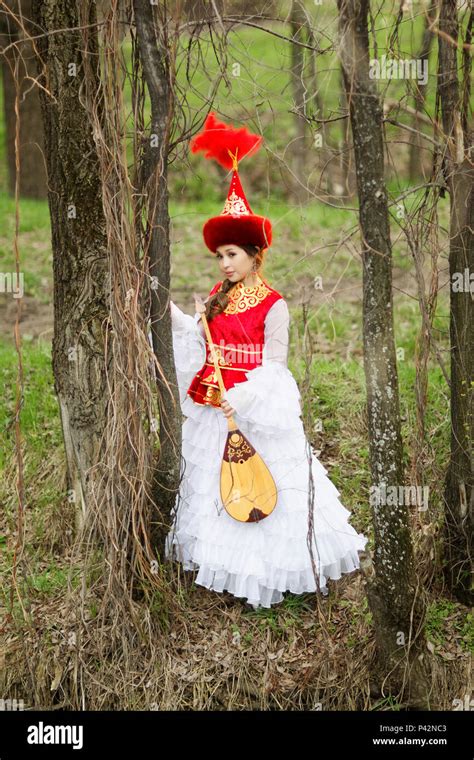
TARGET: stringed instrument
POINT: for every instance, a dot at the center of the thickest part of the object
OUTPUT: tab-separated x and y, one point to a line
247	487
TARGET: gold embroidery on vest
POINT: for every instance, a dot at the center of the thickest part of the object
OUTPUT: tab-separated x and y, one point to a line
213	396
242	298
220	359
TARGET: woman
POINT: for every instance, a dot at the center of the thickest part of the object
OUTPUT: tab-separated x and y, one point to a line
249	321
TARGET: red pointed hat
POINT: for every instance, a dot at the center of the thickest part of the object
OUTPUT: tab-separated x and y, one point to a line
237	223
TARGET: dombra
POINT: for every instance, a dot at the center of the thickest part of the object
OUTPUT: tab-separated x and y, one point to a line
247	488
248	491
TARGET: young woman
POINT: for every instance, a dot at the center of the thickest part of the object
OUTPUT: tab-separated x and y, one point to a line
248	322
261	560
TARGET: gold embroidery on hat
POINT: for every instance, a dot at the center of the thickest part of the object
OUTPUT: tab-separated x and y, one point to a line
235	205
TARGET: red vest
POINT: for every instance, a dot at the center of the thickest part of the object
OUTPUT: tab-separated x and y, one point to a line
238	334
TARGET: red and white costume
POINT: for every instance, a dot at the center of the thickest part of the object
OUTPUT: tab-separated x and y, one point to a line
260	560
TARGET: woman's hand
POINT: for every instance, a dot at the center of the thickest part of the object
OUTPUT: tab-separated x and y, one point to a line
199	306
226	408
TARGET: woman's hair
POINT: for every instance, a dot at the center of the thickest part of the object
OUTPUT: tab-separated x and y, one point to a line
218	302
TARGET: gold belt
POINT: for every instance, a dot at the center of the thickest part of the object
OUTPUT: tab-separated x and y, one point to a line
236	369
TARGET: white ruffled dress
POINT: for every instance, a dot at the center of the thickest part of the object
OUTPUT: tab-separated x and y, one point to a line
258	561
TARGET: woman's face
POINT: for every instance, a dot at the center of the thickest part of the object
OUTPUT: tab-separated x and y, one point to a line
234	262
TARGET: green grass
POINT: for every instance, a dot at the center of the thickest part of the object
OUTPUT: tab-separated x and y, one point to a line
34	245
39	411
282	618
468	632
444	617
49	581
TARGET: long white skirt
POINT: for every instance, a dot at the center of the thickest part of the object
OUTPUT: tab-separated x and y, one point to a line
259	561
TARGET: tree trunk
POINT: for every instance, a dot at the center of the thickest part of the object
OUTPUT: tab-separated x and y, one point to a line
153	182
80	261
459	172
392	595
19	66
417	144
315	109
299	160
347	154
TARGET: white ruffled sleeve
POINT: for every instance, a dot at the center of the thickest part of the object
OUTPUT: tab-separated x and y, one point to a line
189	346
269	400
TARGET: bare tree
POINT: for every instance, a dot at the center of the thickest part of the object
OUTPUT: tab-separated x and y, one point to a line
416	140
18	75
80	262
459	173
156	56
347	154
392	593
298	23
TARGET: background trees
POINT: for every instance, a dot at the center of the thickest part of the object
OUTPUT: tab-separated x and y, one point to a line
458	171
122	93
18	76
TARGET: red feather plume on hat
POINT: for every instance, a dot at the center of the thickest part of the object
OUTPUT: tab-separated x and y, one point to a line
237	223
220	140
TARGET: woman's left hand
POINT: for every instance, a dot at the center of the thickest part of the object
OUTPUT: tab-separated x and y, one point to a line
226	408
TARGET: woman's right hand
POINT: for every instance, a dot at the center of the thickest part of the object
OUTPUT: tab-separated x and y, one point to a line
226	408
198	306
